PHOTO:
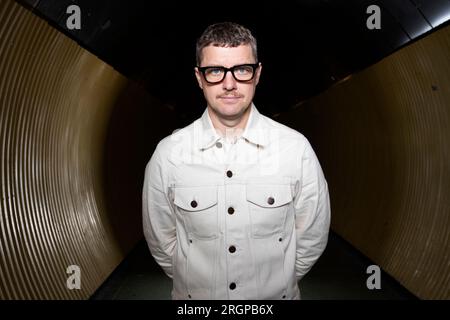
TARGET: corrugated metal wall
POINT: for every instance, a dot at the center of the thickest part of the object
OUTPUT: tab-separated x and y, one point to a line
55	101
383	138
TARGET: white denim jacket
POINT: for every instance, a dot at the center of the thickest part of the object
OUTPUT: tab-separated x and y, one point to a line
241	220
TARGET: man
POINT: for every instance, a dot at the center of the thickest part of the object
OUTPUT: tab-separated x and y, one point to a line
235	205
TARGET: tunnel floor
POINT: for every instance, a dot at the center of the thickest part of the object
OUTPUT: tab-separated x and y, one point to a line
340	274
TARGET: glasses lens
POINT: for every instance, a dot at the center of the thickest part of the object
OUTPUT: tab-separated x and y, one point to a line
243	73
214	74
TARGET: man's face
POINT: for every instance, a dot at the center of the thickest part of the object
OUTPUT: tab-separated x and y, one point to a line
229	99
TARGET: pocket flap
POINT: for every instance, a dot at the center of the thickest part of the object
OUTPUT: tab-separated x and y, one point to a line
269	195
195	198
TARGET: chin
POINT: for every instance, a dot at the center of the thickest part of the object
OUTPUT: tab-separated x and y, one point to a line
233	107
231	111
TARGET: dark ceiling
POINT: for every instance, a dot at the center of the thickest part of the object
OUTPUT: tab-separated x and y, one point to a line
304	45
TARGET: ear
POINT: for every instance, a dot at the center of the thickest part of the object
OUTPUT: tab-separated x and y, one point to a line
199	78
258	73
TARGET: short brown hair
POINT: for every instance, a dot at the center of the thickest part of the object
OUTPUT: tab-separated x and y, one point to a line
225	34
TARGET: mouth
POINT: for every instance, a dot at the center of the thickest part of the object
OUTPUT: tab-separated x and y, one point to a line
229	99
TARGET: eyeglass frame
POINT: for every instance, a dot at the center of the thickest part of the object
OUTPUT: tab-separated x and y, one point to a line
253	65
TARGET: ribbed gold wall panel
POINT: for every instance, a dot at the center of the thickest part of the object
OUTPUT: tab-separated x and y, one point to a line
383	138
55	103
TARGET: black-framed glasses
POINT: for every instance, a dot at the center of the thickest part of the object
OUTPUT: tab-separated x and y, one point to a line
242	72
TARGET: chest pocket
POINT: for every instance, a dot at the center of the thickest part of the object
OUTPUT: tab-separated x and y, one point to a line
268	206
198	207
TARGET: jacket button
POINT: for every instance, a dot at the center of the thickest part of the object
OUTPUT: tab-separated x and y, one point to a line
270	200
229	174
230	210
232	249
219	145
232	286
193	203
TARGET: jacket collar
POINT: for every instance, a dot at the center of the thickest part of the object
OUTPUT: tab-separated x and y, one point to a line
254	131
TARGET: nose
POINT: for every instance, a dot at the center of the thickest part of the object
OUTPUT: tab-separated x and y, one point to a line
229	83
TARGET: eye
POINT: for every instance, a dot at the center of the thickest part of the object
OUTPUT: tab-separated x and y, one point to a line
214	71
243	70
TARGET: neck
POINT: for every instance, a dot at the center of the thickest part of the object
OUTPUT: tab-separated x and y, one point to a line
231	128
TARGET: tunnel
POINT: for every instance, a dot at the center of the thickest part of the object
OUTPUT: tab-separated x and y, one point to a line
83	108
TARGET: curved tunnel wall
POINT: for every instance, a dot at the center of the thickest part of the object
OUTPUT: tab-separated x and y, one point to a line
383	139
55	102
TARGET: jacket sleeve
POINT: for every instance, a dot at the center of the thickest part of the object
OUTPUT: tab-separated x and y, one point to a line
158	214
312	212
